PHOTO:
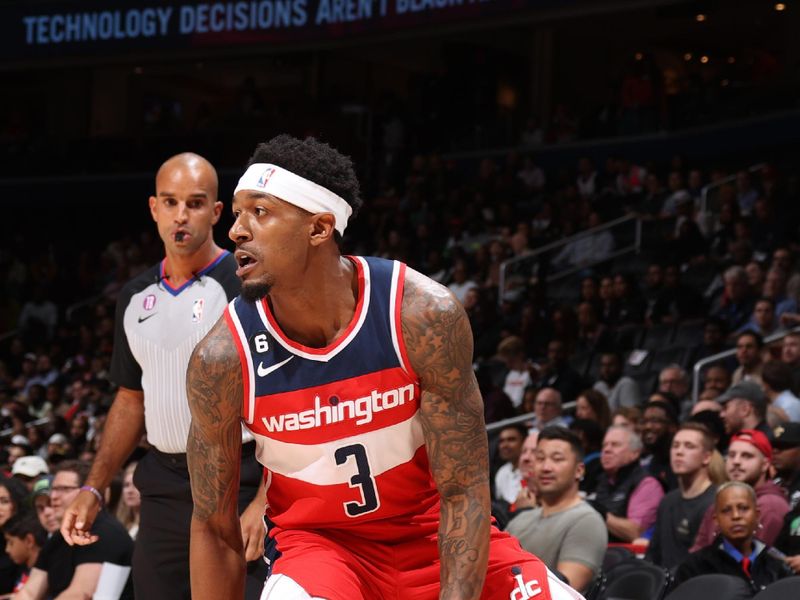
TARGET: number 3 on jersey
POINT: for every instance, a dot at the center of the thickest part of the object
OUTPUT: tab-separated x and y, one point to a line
363	480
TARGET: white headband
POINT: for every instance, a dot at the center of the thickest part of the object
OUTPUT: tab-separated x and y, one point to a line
291	188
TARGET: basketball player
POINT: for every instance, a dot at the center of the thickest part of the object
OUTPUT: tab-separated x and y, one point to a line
355	376
161	315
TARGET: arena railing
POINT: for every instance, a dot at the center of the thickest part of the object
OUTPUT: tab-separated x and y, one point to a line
709	205
497	425
698	366
625	231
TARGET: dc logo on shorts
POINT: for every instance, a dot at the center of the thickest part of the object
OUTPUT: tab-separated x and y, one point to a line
524	589
197	310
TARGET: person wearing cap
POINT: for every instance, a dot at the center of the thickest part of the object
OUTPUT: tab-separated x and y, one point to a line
744	406
736	550
681	510
749	459
40	497
29	469
161	315
786	459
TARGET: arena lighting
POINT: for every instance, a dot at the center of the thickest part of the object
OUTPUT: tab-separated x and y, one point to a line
687	57
700	18
780	7
724	83
704	59
138	70
731	60
638	56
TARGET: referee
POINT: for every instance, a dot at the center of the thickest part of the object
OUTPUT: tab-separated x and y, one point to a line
161	315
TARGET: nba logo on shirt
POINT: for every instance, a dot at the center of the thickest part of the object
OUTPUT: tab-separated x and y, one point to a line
262	181
197	310
149	302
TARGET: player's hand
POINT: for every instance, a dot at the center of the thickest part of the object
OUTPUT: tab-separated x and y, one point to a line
253	530
79	518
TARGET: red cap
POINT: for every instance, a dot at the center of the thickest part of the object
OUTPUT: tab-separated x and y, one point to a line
757	439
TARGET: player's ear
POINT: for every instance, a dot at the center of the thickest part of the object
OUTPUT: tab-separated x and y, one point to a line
152	203
322	228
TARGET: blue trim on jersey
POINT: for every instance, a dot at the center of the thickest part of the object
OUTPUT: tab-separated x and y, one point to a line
175	291
370	350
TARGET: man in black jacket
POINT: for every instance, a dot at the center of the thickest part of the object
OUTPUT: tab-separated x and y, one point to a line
736	551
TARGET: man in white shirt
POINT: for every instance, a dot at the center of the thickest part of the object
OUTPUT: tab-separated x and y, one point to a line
508	479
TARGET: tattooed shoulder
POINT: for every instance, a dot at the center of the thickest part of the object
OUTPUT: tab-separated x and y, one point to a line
213	377
436	332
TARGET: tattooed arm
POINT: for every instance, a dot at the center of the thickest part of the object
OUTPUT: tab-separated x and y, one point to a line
438	338
214	386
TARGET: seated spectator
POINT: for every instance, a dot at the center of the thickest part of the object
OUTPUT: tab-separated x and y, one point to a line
628	416
13	502
749	345
659	423
673	380
675	300
717	378
786	460
563	531
592	335
558	374
763	320
508	477
790	356
592	405
547	408
788	540
608	307
735	305
460	282
512	352
24	537
681	510
626	496
590	434
620	389
748	461
41	503
777	379
75	570
775	289
129	506
588	249
744	406
735	551
630	306
29	468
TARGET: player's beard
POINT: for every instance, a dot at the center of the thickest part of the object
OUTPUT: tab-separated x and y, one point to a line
253	291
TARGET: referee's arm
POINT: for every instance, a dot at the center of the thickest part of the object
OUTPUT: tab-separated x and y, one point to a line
214	387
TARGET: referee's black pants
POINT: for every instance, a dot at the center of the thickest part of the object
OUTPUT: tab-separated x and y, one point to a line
161	553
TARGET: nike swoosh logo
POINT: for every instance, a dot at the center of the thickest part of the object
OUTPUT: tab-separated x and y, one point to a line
264	371
143	319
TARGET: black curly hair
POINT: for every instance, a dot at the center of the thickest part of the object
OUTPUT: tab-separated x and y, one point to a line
314	160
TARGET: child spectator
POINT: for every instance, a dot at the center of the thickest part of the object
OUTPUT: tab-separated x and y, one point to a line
25	536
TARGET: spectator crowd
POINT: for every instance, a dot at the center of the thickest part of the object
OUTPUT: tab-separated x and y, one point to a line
613	445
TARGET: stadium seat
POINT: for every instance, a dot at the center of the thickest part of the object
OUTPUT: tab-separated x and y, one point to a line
628	337
781	590
581	362
714	585
689	333
615	555
668	355
635	579
657	336
647	382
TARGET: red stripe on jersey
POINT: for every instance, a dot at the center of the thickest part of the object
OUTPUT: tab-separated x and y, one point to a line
405	496
398	321
322	351
316	415
243	360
